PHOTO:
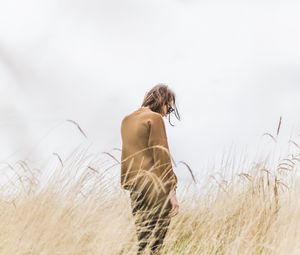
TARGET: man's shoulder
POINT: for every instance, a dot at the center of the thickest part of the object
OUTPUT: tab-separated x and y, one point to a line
149	116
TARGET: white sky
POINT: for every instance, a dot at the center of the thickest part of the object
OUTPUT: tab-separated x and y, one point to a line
234	67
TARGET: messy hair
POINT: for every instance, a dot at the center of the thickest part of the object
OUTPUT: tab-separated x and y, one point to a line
159	96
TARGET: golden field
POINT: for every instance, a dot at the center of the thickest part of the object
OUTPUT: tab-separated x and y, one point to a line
80	209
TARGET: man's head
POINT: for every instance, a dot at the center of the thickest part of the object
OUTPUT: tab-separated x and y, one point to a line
161	99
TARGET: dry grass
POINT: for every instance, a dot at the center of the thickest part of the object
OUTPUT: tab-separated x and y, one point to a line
81	210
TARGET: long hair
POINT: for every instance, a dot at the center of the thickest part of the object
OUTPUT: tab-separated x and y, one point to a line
159	96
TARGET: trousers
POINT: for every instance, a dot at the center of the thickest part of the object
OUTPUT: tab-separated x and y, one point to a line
151	221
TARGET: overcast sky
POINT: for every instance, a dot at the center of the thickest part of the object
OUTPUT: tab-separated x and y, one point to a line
234	66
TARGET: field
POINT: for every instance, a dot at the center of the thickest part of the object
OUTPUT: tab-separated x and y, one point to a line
80	209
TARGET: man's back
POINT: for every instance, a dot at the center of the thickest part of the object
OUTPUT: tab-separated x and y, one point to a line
140	130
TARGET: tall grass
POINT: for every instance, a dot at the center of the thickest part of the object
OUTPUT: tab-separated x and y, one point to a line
80	209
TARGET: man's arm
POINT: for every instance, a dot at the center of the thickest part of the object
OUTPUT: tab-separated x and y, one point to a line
161	153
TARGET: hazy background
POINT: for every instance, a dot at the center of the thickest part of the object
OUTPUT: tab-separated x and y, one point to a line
234	67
